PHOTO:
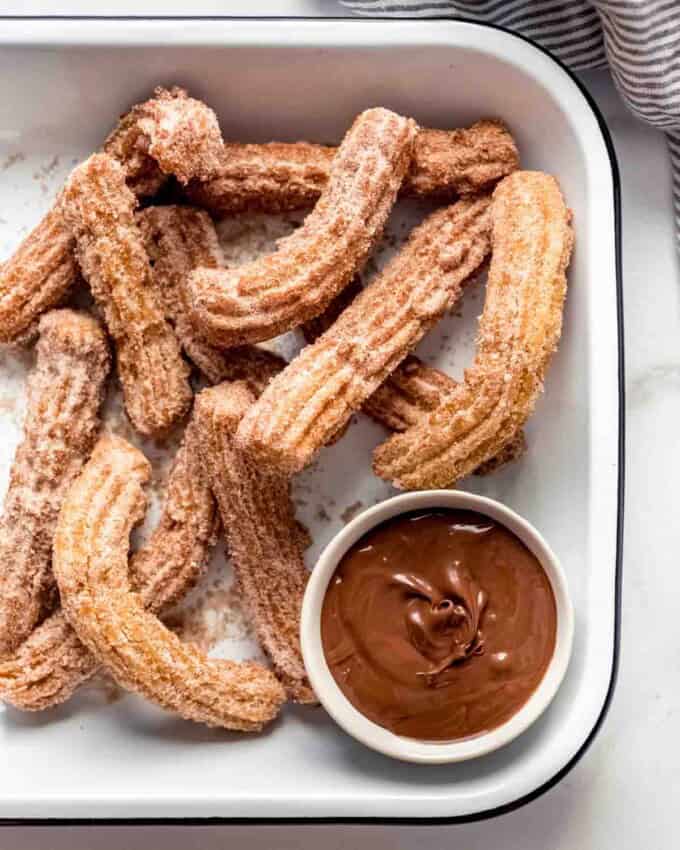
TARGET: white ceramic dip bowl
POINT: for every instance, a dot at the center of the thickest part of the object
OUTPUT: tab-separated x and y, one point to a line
371	734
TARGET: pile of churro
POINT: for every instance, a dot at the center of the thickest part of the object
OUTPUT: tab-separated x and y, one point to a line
182	332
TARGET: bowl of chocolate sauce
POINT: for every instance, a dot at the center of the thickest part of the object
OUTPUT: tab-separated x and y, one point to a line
437	626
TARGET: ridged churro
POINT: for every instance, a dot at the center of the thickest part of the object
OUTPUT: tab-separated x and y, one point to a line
36	277
262	534
409	393
519	331
65	392
176	554
278	176
278	292
510	452
178	240
91	566
99	208
52	662
317	393
169	134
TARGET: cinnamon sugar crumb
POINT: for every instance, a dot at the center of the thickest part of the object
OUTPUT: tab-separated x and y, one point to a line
351	511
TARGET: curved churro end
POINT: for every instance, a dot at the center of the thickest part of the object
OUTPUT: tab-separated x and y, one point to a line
319	390
278	292
47	667
90	563
52	663
65	392
263	537
511	451
276	177
36	277
518	333
184	135
171	133
178	240
447	163
99	208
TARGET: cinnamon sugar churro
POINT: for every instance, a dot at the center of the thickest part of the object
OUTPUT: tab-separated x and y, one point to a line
52	662
262	534
99	208
65	391
169	134
90	563
277	176
518	333
178	240
317	393
36	277
411	391
278	292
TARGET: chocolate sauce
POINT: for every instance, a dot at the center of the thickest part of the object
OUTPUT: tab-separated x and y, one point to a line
439	625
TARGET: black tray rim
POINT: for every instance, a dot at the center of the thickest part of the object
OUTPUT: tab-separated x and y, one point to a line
618	578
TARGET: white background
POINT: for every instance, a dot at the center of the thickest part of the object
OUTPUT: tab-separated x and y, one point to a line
623	794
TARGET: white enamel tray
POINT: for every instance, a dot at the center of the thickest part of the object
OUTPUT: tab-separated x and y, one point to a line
61	84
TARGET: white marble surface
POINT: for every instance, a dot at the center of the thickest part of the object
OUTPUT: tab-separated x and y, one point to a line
623	793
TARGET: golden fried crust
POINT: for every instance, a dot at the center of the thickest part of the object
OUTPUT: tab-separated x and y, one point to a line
178	240
65	391
171	133
276	177
447	163
316	394
52	662
99	208
518	333
47	668
272	178
412	391
90	563
176	555
262	535
278	292
510	452
409	393
36	277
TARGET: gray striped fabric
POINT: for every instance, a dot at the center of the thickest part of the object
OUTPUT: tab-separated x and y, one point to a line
639	39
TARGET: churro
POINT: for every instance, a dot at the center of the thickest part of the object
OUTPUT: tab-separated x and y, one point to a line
278	292
178	240
519	331
510	452
409	393
277	176
91	566
99	208
176	554
52	662
169	134
262	535
65	391
317	393
36	277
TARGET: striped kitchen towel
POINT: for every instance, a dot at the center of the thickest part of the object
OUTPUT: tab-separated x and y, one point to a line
638	39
